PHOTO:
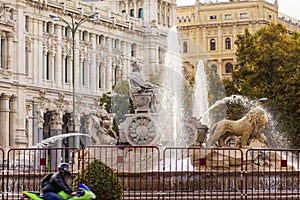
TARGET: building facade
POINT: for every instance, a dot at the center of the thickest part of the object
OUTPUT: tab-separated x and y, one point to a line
208	30
37	99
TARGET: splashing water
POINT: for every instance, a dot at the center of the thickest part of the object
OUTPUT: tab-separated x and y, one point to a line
201	95
172	95
51	140
232	99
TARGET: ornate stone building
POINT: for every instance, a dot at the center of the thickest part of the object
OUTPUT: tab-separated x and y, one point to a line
36	93
208	30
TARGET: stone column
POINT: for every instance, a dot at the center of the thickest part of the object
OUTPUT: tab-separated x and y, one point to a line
173	18
124	66
10	48
35	59
58	61
40	115
40	123
150	10
18	119
93	67
109	65
29	127
35	131
56	129
4	119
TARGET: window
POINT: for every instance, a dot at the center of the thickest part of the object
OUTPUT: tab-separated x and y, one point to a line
27	23
115	78
212	44
47	67
185	47
47	27
26	60
213	17
214	69
116	43
228	16
99	76
243	15
82	72
133	50
228	68
161	54
66	70
66	31
101	39
227	43
123	11
132	13
141	13
2	53
82	35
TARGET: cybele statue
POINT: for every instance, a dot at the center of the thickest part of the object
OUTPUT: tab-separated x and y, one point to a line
142	92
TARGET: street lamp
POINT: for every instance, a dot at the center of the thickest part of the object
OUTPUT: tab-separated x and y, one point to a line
73	26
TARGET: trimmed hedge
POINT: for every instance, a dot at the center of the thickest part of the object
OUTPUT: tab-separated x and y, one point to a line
102	181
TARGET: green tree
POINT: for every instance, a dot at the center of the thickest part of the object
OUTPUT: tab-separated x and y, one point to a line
268	66
118	103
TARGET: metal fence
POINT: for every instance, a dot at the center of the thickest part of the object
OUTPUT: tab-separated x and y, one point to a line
147	172
25	167
2	172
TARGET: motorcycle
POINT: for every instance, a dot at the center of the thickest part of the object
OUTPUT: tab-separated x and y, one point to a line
84	193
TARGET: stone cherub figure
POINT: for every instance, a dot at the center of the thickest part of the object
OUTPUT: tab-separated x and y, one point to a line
139	86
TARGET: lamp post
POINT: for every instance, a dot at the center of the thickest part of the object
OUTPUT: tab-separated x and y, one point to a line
73	26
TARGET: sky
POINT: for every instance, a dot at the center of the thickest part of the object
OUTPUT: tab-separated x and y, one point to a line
288	7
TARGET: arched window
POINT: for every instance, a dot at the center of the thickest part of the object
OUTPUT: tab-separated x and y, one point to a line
228	68
212	44
132	13
227	43
141	13
185	47
214	69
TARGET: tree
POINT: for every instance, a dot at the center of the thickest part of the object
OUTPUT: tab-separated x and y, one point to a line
118	103
268	63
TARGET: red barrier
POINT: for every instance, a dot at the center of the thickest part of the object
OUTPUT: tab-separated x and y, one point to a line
27	166
202	173
2	158
137	168
176	173
272	174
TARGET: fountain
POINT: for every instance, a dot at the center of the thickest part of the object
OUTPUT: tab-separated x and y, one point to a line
160	118
201	95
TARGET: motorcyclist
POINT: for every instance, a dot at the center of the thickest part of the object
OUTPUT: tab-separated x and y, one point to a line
58	183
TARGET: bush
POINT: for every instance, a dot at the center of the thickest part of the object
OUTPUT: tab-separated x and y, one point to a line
102	181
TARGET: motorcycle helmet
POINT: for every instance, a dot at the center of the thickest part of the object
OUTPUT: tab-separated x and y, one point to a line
65	168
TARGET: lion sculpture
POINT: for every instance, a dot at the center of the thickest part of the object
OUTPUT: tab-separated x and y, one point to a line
244	131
